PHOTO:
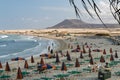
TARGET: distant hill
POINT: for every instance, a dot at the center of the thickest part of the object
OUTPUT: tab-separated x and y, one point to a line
76	23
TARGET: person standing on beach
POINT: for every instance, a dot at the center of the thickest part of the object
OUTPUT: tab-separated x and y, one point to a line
48	48
51	51
52	44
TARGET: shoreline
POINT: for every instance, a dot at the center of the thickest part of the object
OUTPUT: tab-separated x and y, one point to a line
58	42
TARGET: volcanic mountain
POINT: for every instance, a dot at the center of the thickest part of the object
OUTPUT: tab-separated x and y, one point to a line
76	23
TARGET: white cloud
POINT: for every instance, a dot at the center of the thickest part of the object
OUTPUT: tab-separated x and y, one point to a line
104	6
105	13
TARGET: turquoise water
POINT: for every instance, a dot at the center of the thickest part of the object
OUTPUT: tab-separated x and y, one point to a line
12	46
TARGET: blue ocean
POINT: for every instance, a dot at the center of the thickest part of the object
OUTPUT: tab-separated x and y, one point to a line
12	46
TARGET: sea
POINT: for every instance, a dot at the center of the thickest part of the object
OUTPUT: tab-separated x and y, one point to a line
12	46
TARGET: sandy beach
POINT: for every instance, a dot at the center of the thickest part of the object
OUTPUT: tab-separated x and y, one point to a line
68	43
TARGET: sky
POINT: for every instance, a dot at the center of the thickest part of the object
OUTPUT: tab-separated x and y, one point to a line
39	14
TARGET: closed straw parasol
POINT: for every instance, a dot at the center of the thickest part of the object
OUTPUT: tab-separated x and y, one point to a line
19	74
32	59
0	65
42	61
84	51
111	50
102	60
67	53
116	55
111	58
57	58
26	64
63	68
68	57
104	51
91	61
7	68
81	56
77	63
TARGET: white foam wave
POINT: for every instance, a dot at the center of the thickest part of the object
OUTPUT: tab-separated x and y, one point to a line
3	56
14	53
27	37
30	37
24	38
3	36
3	45
26	51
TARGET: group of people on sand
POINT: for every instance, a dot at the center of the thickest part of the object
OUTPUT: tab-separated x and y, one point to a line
97	67
51	51
42	67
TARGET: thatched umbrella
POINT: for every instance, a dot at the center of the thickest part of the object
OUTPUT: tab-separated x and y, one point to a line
32	59
67	53
81	56
63	68
111	50
111	58
0	65
68	56
42	61
84	51
91	61
77	64
102	60
7	68
57	58
19	74
104	51
116	55
26	64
